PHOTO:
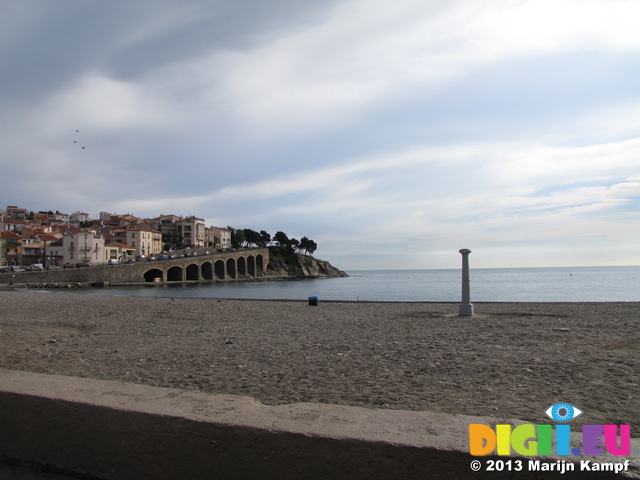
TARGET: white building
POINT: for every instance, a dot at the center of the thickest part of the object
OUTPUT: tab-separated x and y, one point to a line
222	238
77	218
85	246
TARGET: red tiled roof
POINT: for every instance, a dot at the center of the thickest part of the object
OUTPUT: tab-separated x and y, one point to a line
13	220
12	235
119	245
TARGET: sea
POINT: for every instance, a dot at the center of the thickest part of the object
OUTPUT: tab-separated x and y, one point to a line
552	284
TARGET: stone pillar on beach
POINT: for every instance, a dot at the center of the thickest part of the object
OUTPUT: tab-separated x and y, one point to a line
466	307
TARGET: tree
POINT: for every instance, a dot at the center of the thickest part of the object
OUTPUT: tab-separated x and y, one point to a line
293	244
251	237
237	237
281	238
307	245
264	239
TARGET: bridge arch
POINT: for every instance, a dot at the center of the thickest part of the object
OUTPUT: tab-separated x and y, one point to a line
260	263
206	270
251	265
193	272
242	266
219	270
151	275
231	268
174	274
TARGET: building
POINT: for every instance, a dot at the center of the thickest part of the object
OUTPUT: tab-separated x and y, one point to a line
16	213
171	233
50	219
192	230
32	251
83	246
53	246
222	238
76	218
13	225
143	241
121	221
119	251
11	248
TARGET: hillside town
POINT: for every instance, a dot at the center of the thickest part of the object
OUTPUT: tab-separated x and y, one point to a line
48	240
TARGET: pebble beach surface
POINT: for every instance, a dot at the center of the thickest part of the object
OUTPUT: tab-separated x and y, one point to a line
509	360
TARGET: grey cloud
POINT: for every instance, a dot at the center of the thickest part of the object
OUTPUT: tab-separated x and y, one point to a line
49	43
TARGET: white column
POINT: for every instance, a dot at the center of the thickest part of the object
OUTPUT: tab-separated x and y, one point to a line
466	307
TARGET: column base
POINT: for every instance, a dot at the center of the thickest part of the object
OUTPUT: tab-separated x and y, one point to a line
466	310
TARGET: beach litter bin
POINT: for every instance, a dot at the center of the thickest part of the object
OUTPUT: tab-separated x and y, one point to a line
313	301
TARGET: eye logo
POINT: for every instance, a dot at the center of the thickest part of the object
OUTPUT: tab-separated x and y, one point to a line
563	412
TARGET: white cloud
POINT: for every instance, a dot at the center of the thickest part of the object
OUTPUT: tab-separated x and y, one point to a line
363	118
100	103
328	73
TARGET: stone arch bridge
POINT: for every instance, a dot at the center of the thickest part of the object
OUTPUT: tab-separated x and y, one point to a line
226	266
216	266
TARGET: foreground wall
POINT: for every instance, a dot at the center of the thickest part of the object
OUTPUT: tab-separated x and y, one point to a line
113	430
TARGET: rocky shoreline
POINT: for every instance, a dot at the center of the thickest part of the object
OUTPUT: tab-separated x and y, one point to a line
510	360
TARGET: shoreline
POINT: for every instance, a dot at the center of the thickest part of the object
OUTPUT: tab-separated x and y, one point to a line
510	360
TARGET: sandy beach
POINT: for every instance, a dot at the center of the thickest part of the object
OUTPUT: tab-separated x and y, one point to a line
510	360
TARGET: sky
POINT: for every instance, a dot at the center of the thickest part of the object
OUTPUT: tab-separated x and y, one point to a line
392	134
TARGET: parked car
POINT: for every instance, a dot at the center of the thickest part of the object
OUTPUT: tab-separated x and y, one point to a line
17	269
163	257
113	261
68	265
53	267
83	264
36	267
131	260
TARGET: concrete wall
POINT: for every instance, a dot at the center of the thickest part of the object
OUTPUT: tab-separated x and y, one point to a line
113	430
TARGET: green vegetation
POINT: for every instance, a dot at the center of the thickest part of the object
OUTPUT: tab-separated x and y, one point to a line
250	238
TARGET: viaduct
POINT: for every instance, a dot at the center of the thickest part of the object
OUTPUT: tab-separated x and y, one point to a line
240	264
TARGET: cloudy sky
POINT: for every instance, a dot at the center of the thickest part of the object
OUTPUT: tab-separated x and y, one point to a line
391	133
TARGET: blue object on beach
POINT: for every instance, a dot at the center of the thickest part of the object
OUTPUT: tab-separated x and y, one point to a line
313	301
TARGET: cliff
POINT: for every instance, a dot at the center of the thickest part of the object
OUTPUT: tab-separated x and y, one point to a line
294	265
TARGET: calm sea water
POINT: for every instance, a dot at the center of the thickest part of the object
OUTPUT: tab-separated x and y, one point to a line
558	284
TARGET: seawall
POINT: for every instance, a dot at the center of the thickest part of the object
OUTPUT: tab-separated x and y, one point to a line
113	430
